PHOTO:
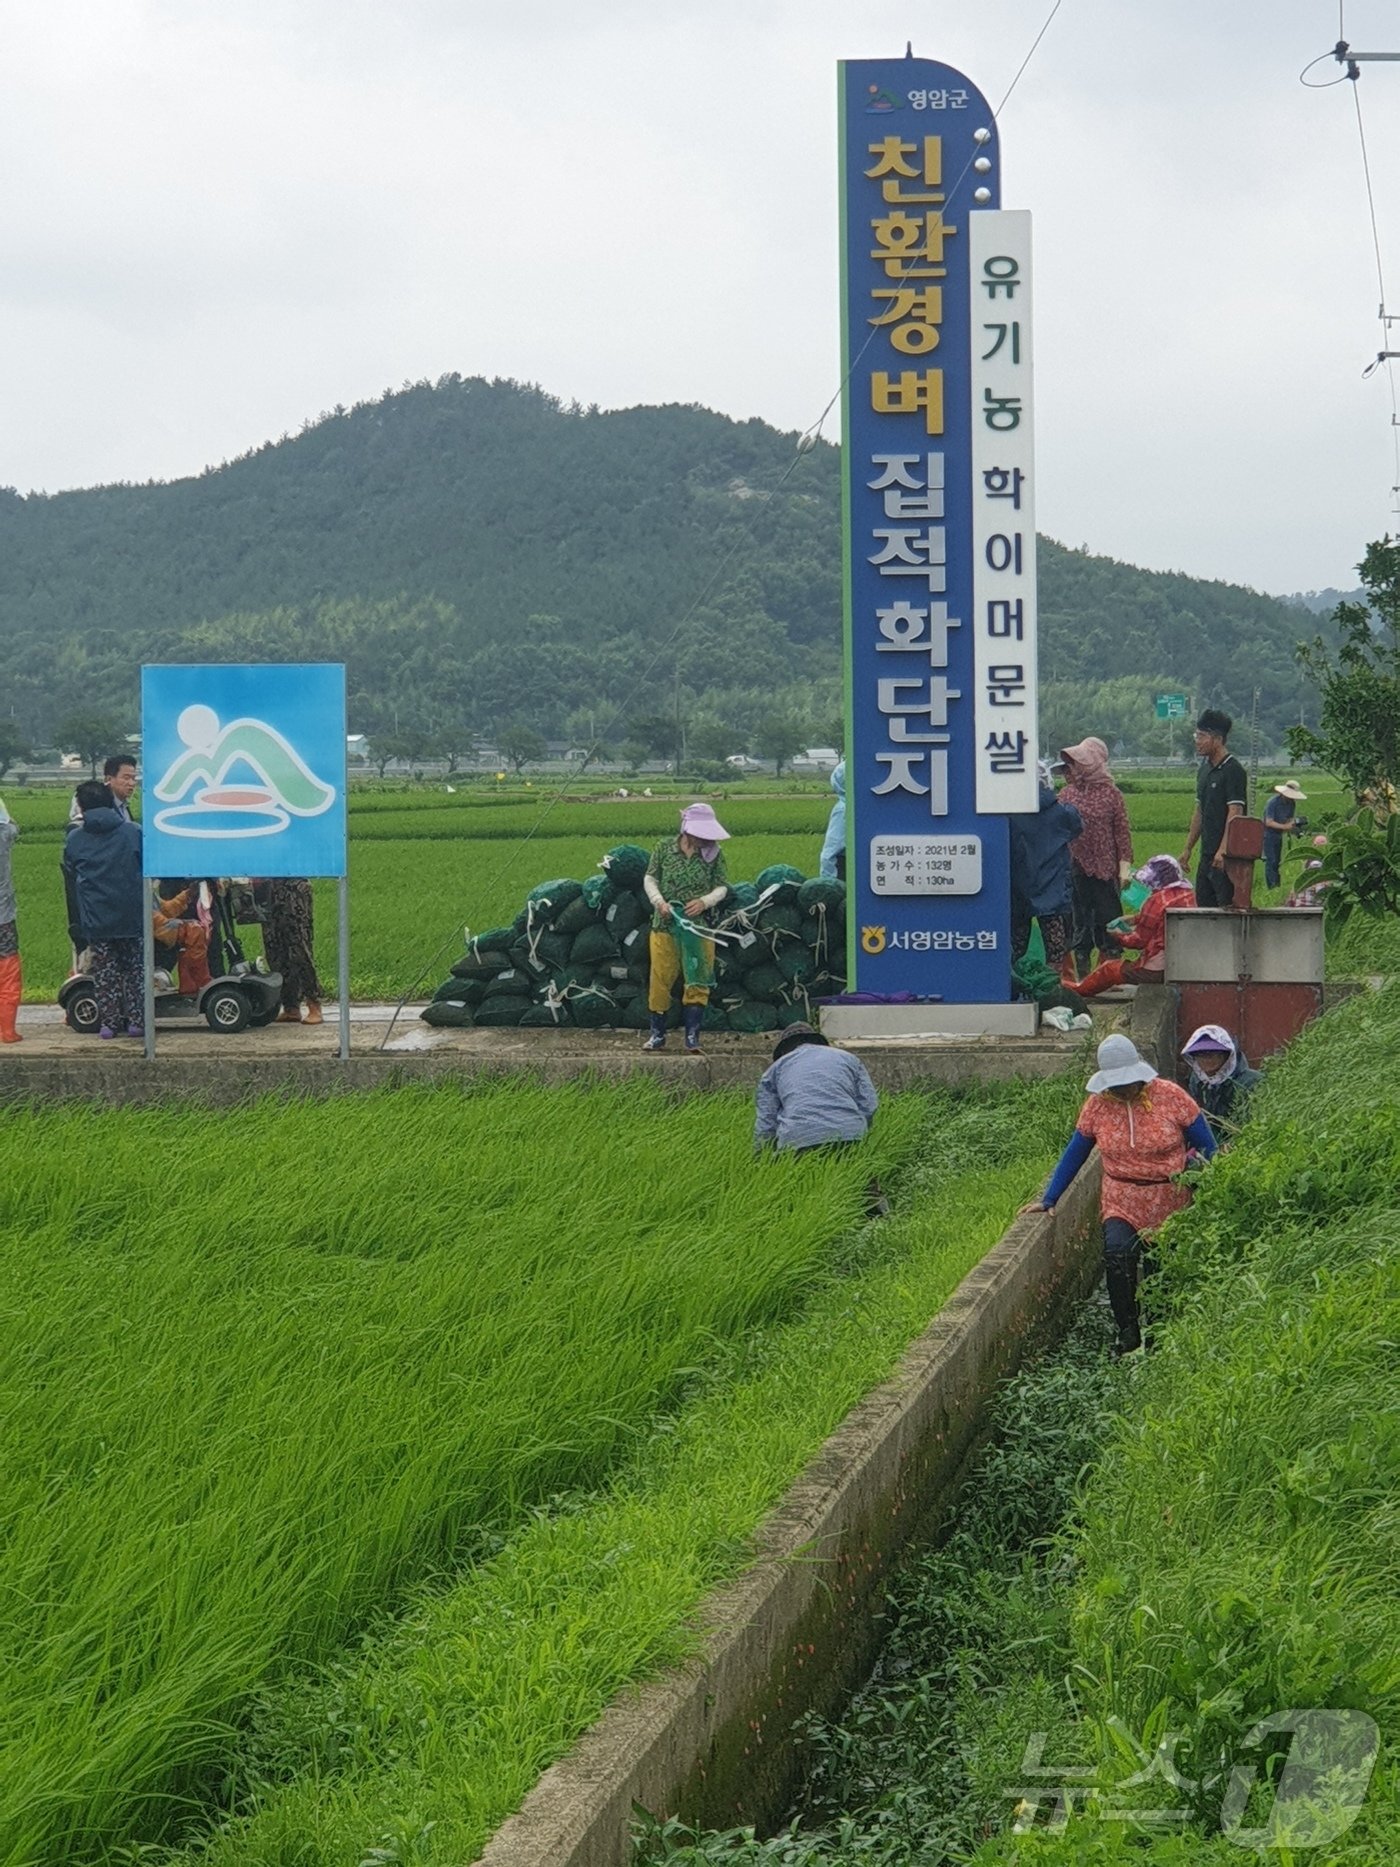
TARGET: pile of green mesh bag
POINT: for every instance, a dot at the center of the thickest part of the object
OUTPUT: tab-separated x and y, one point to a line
578	954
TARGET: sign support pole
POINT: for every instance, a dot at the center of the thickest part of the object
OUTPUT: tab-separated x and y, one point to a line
343	891
148	972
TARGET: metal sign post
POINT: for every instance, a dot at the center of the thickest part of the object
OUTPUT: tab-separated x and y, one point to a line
245	773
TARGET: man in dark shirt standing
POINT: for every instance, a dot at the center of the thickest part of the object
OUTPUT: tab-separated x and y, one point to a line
1222	791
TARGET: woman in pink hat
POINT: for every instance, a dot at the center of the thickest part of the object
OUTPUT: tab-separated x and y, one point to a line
686	873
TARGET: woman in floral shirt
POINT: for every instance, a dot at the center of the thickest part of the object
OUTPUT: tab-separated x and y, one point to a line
1143	1127
1102	853
685	871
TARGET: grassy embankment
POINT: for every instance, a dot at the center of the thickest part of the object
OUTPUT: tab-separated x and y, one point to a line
424	863
1234	1553
305	1375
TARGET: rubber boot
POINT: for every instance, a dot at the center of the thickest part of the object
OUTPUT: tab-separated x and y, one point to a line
313	1012
10	986
656	1039
690	1018
1120	1269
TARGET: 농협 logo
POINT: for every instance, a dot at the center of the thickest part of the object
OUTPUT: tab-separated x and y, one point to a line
872	939
220	802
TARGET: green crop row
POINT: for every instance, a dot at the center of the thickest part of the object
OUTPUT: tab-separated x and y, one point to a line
265	1371
421	1741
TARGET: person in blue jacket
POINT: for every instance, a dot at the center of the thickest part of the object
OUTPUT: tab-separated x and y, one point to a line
832	866
102	856
1042	880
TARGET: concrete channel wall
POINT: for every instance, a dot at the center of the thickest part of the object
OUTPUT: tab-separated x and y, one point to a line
800	1629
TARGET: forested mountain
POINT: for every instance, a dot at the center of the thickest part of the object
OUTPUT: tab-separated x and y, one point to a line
482	556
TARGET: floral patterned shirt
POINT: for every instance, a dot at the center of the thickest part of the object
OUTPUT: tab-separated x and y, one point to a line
1142	1144
1105	840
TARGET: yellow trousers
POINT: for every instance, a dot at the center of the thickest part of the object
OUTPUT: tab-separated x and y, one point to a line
665	970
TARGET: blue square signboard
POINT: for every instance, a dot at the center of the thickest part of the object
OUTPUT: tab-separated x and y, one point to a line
243	769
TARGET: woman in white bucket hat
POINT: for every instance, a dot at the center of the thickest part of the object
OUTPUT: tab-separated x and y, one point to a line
1143	1127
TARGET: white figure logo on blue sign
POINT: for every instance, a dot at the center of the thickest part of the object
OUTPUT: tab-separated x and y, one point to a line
223	801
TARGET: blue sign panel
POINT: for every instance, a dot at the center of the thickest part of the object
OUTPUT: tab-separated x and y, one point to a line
243	769
927	876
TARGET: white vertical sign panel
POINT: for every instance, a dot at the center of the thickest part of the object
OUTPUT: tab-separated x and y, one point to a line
1003	510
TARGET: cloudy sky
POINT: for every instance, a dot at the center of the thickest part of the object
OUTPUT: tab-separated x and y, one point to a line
220	217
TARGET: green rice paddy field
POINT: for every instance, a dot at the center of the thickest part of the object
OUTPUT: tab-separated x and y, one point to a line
357	1452
425	863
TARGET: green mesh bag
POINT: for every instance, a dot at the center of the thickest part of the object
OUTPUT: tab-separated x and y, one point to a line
575	917
799	1012
741	895
626	864
572	975
543	952
460	992
715	1018
501	1010
551	898
625	911
821	893
484	964
596	892
593	1009
763	981
795	963
753	1014
595	946
785	878
774	917
452	1017
553	1015
635	1017
697	955
512	983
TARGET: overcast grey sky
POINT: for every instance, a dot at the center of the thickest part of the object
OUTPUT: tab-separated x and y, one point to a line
217	220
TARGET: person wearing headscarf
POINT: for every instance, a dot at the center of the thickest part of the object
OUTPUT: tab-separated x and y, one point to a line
11	978
811	1095
1042	881
1102	853
832	865
1143	1127
686	874
1280	819
1145	931
1221	1079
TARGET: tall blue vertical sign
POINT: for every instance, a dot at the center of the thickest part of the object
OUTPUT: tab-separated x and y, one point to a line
939	532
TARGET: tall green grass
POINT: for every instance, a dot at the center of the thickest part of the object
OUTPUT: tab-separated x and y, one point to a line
420	1742
265	1371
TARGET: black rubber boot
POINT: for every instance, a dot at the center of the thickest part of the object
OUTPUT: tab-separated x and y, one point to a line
1120	1269
690	1018
656	1039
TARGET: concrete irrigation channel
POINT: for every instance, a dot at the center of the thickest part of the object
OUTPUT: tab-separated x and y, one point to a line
798	1631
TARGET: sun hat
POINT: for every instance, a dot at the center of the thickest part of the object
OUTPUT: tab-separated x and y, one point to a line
794	1035
700	821
1208	1037
1119	1065
1289	788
